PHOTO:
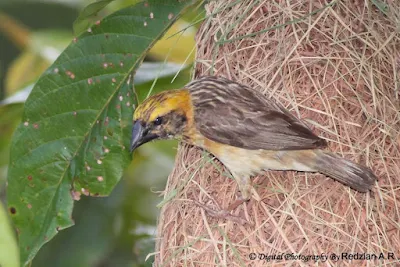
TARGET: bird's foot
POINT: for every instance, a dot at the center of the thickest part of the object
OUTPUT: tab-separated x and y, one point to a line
237	203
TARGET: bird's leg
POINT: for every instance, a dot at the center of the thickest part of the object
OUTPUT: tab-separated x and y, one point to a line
245	187
236	203
244	184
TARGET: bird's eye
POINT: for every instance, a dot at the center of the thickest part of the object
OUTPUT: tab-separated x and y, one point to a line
158	121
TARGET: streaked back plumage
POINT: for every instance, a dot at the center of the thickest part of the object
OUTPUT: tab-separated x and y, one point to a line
231	113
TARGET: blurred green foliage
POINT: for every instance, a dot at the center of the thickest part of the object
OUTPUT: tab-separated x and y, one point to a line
117	230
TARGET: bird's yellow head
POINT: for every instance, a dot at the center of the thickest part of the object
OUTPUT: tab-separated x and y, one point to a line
161	116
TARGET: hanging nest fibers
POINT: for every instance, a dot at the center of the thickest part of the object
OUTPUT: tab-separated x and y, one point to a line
336	65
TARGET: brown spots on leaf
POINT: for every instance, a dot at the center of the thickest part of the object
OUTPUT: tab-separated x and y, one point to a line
70	74
36	126
85	191
30	177
100	178
87	166
97	22
13	210
29	205
170	16
90	81
76	195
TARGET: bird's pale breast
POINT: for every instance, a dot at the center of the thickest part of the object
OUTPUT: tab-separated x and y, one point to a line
243	162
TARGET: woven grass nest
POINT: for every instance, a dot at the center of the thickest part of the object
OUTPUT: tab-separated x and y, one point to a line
335	65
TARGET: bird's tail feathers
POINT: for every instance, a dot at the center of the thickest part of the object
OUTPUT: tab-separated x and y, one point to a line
354	175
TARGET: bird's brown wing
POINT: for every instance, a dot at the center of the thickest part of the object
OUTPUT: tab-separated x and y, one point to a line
233	114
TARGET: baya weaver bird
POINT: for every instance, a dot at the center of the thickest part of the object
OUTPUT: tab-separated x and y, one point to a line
245	130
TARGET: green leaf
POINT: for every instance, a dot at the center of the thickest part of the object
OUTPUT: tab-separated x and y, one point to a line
75	130
89	12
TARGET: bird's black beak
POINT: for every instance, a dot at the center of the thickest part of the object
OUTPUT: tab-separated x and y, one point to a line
137	135
140	135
